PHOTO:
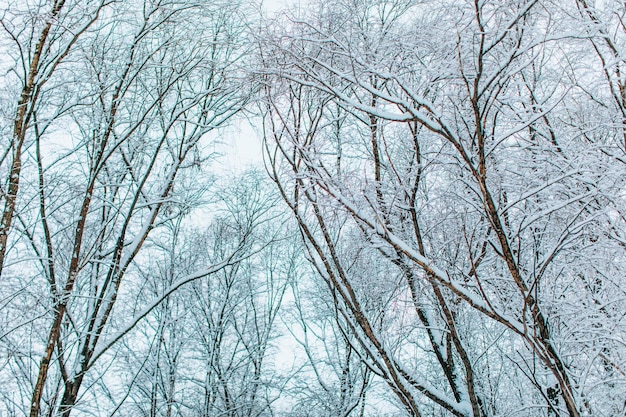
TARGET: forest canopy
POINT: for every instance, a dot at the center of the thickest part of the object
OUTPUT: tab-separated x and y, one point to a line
435	226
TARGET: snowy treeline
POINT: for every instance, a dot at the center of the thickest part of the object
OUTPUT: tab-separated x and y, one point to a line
437	226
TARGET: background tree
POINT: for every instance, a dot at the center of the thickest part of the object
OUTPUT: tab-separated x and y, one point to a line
206	349
330	378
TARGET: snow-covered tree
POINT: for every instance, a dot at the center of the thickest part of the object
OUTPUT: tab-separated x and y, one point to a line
468	156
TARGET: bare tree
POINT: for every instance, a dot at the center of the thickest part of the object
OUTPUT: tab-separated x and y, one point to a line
331	379
41	38
205	349
146	94
461	168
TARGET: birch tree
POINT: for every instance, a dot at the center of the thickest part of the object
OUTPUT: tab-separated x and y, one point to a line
41	38
146	92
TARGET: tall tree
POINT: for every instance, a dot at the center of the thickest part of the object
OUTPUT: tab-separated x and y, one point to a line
462	165
113	164
40	37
